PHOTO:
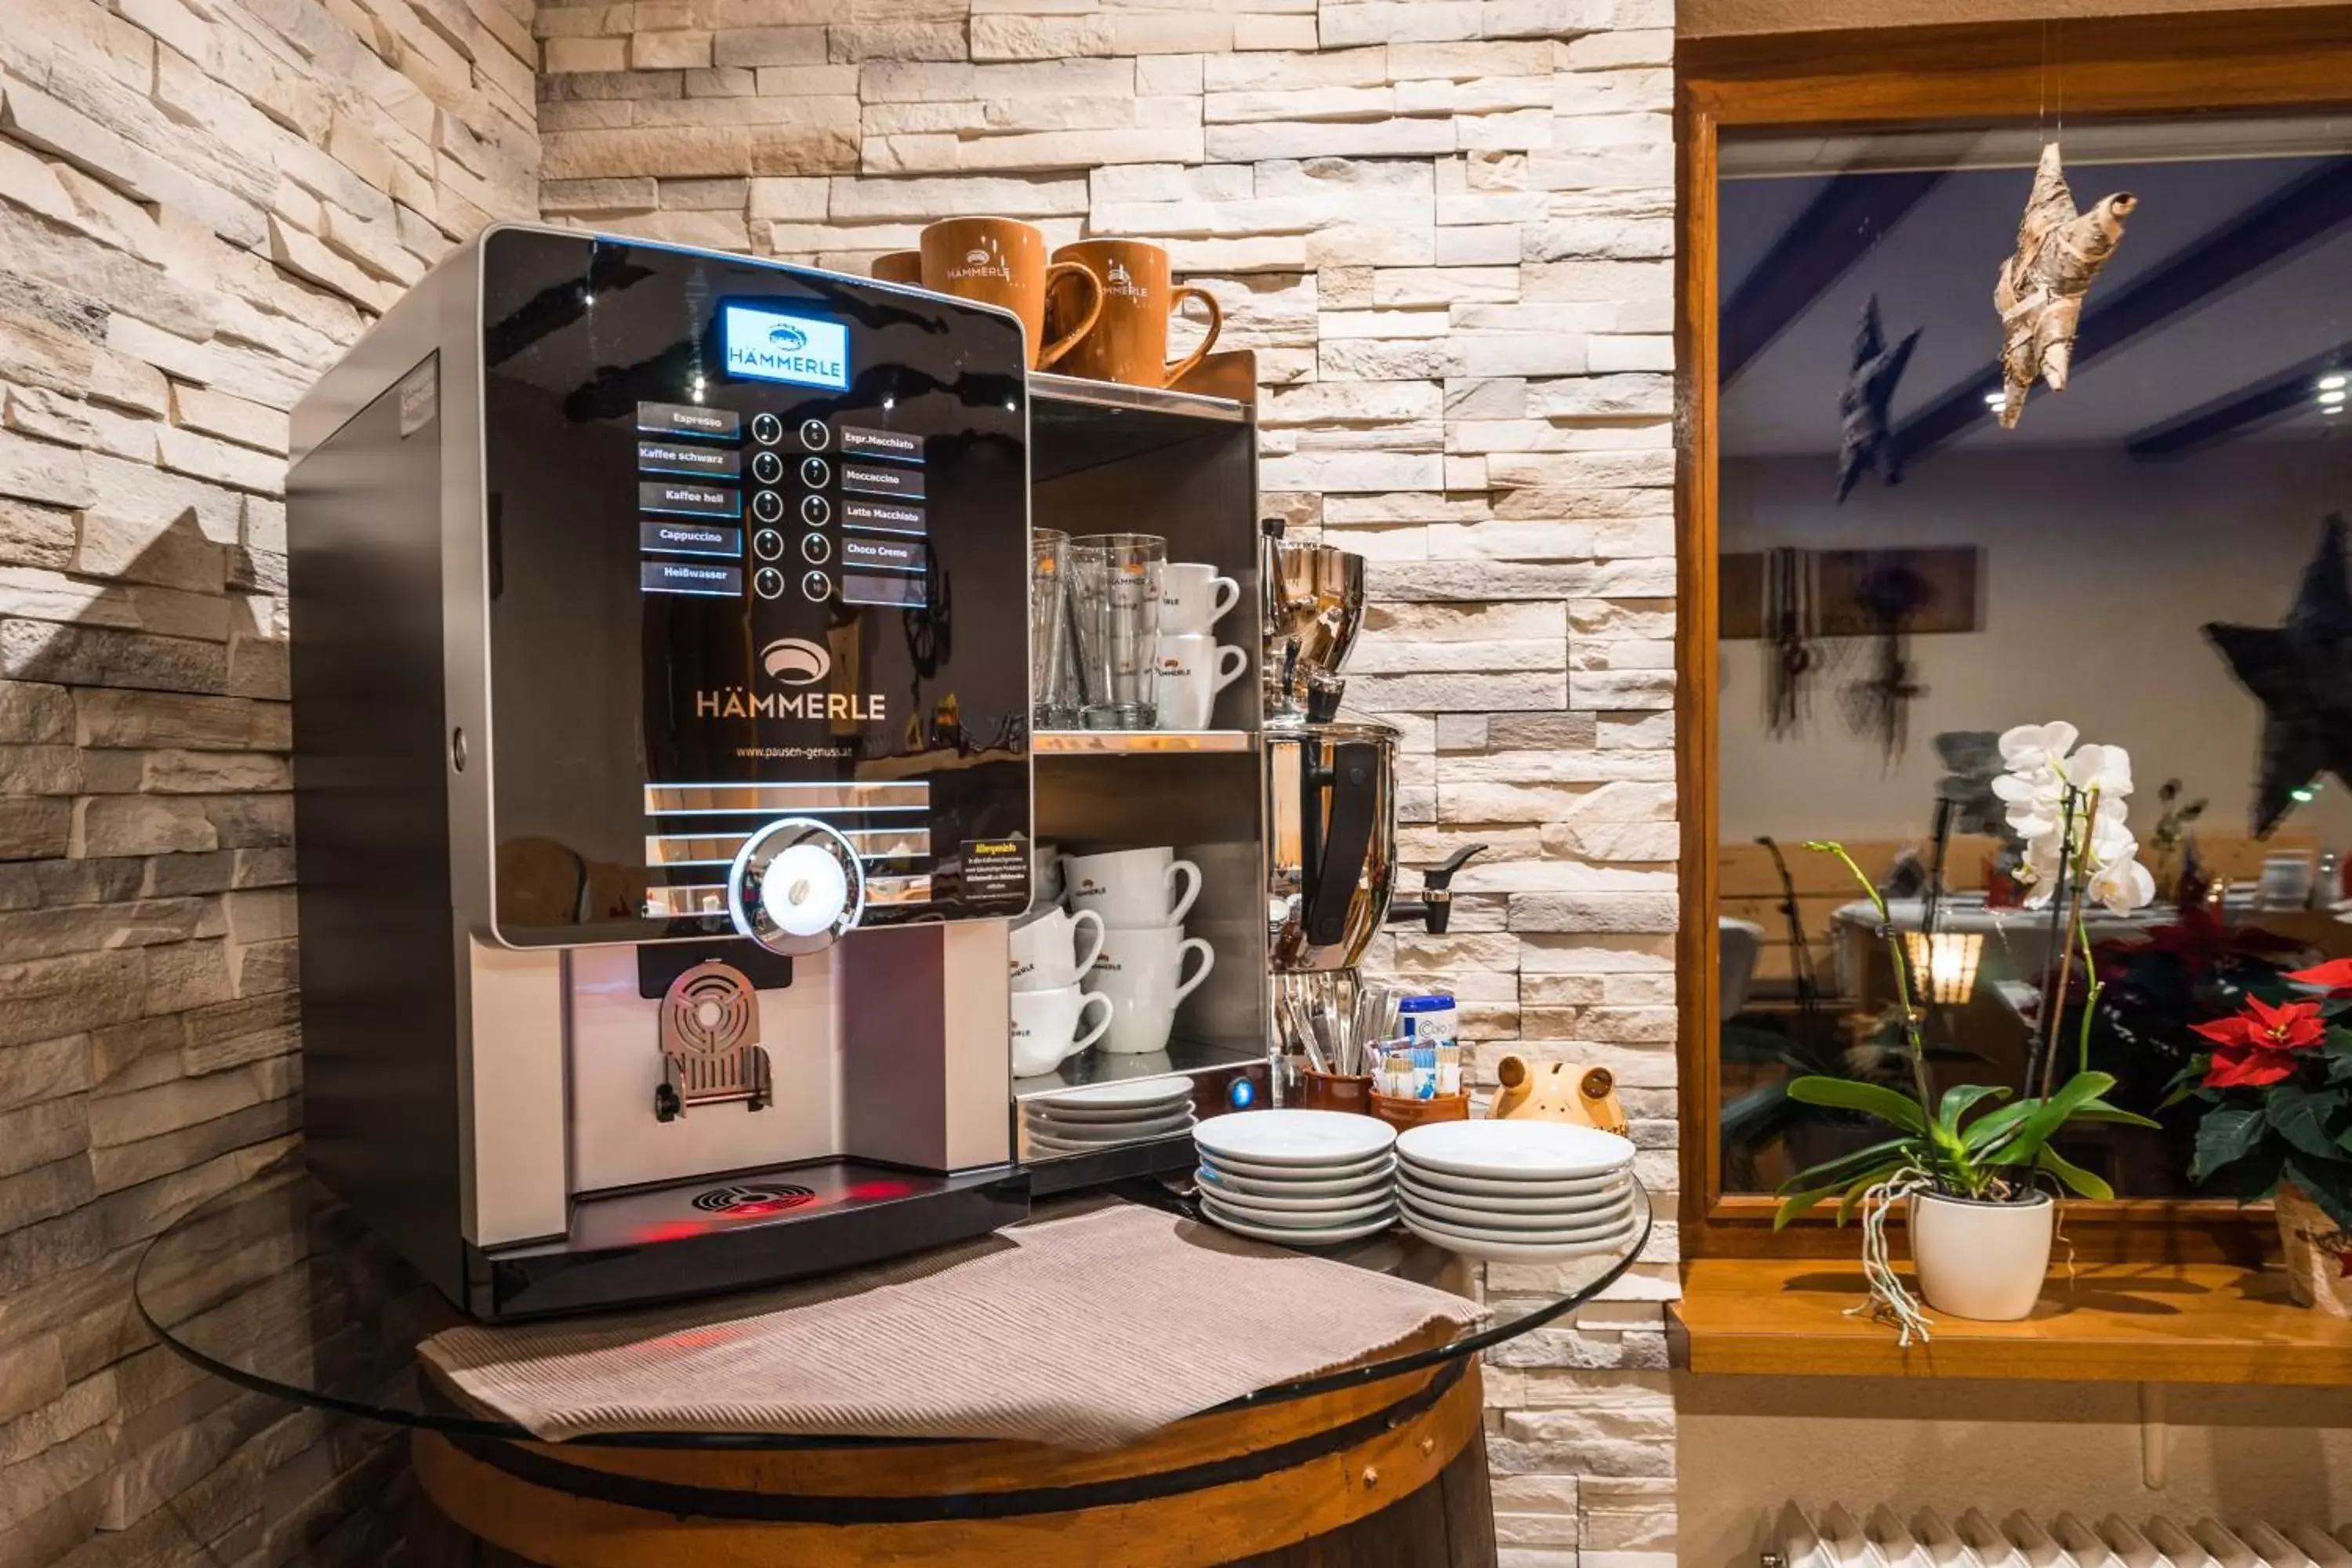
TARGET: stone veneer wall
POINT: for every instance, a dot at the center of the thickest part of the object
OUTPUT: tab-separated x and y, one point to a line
202	202
1446	226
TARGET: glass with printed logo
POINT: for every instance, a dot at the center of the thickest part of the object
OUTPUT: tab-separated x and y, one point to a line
1115	597
1053	661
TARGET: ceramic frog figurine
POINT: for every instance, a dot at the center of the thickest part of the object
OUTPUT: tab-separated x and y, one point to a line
1556	1091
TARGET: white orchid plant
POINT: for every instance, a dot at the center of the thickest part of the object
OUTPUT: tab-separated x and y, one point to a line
1982	1140
2069	802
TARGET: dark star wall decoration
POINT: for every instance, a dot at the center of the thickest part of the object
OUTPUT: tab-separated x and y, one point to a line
1865	432
2302	674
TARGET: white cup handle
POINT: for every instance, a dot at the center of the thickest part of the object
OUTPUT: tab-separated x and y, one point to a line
1208	962
1091	1035
1080	919
1192	890
1225	594
1232	654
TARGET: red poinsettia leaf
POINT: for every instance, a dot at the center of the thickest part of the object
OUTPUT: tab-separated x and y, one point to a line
2234	1030
2336	975
2247	1067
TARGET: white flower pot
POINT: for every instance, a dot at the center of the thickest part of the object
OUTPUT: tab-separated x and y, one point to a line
1981	1260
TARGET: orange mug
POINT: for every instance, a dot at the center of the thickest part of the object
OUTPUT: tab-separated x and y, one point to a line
1002	261
1128	342
899	267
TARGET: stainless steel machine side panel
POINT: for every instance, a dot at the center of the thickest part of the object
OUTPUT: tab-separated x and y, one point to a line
520	1186
926	1019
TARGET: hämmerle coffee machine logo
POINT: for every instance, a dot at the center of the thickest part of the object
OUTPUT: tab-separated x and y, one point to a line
771	346
790	662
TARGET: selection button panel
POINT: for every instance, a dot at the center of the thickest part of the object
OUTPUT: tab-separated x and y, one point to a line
858	441
883	517
685	458
690	577
690	419
904	555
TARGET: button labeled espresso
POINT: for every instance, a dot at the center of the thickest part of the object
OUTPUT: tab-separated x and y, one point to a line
691	501
882	480
690	419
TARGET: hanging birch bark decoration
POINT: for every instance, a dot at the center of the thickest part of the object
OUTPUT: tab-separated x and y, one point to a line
2039	295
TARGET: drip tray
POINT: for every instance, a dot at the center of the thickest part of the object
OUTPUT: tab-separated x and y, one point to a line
763	1228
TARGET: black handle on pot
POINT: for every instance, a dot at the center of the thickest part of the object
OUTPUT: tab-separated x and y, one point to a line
1354	782
1434	908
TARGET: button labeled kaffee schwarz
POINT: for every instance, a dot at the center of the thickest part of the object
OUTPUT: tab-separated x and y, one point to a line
876	480
688	500
678	457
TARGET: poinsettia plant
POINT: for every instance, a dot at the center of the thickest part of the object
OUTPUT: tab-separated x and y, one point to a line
2277	1085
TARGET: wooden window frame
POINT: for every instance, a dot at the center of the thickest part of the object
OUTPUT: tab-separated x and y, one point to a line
2297	59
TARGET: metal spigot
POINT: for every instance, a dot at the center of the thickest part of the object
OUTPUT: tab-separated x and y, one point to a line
1434	908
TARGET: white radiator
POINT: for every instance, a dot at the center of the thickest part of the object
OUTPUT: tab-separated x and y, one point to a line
1832	1538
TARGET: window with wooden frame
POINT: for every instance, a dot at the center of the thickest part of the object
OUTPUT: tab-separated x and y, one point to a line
1877	576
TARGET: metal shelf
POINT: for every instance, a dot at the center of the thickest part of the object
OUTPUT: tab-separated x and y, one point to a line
1118	396
1138	743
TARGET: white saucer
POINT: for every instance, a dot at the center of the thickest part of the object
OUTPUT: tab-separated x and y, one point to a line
1088	1145
1531	1151
1128	1092
1077	1113
1550	1227
1247	1203
1249	1170
1217	1178
1285	1219
1501	1251
1292	1138
1445	1182
1110	1131
1565	1206
1301	1237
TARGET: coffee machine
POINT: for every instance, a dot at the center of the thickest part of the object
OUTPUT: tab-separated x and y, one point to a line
1330	795
662	774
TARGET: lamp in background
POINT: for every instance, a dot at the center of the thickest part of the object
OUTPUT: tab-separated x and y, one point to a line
1945	963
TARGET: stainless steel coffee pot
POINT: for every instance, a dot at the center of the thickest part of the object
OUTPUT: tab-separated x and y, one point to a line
1330	814
1313	609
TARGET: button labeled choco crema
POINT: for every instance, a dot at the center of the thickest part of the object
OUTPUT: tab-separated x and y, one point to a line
858	550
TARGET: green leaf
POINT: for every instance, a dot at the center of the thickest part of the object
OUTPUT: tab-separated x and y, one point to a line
1832	1174
1853	1195
1791	1207
2100	1113
1995	1124
1870	1099
2301	1118
2227	1135
2339	1043
1958	1098
2080	1182
2251	1179
2046	1117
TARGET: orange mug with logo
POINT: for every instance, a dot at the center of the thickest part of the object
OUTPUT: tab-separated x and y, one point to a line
1129	340
899	267
1002	261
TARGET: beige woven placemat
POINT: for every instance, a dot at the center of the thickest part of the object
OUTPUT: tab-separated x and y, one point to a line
1084	1330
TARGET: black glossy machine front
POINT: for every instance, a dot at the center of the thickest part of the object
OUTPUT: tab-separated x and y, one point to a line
607	559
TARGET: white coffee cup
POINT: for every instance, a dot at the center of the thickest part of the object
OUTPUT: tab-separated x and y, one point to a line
1044	951
1045	1028
1194	668
1141	972
1193	597
1131	888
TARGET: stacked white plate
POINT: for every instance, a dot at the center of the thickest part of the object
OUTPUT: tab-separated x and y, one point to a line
1517	1192
1302	1178
1080	1121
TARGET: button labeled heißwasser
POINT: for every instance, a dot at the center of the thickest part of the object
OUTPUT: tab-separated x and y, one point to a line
690	577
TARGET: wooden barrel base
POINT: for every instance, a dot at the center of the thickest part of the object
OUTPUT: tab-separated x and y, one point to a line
1389	1476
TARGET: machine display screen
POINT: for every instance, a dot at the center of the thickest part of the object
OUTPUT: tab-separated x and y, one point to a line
760	548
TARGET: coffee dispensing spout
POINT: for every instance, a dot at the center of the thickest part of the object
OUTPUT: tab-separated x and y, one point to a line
1434	908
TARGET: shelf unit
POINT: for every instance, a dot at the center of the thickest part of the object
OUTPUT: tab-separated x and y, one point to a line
1110	458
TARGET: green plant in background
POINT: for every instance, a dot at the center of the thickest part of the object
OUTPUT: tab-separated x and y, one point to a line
1974	1141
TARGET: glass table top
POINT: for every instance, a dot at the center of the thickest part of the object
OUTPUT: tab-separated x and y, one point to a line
277	1286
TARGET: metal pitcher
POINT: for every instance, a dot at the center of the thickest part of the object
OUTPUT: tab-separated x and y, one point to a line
1330	814
1313	609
